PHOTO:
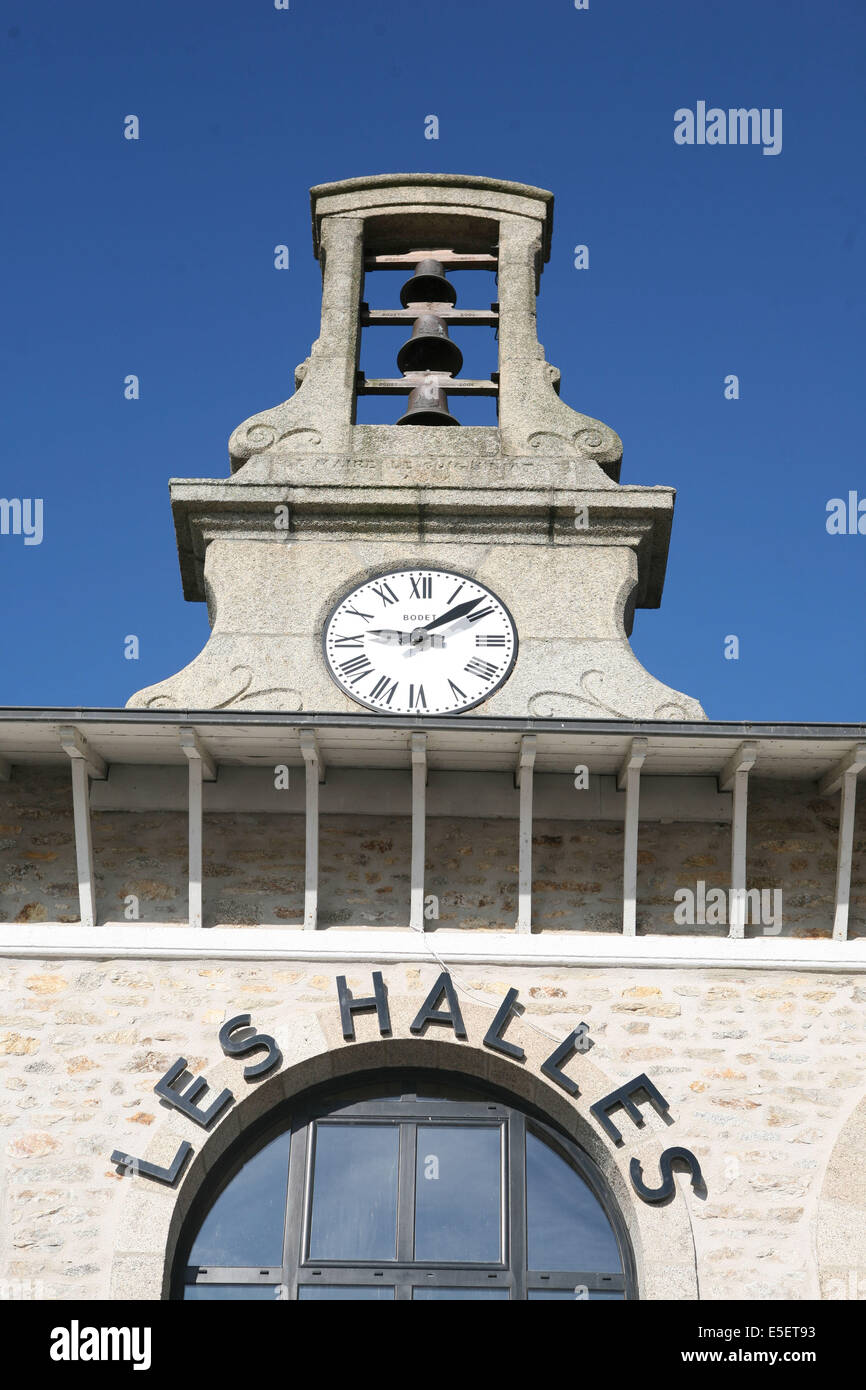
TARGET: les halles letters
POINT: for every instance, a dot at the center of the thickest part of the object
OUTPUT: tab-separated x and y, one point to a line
430	1013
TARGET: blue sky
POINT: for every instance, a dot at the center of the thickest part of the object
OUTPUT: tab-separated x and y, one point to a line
155	257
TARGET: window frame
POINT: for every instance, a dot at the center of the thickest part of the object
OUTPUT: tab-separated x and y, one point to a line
333	1104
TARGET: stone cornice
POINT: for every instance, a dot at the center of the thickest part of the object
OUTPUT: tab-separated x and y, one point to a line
496	504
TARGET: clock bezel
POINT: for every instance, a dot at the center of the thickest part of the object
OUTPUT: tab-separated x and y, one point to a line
417	569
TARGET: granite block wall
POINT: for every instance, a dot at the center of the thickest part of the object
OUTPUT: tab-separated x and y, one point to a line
761	1072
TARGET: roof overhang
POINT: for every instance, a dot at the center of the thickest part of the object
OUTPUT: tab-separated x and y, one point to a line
806	752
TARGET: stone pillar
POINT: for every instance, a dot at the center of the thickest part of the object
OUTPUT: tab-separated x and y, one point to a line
319	417
532	418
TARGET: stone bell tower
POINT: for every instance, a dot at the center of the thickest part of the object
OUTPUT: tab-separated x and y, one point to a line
529	508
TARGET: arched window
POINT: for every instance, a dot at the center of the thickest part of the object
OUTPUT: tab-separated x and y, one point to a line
414	1187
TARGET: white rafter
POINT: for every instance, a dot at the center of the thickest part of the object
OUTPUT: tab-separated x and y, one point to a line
628	778
315	773
418	750
85	763
523	776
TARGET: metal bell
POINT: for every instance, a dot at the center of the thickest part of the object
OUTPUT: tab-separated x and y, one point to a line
429	349
428	406
428	286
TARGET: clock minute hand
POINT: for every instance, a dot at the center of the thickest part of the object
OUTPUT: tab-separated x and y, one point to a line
458	612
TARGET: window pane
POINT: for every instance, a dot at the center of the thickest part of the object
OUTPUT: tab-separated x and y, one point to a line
420	1294
567	1225
457	1193
563	1294
347	1292
355	1193
197	1293
245	1224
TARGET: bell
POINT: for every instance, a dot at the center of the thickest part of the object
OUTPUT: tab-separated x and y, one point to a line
428	405
428	286
429	349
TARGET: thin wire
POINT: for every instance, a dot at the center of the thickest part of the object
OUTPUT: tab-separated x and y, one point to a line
472	994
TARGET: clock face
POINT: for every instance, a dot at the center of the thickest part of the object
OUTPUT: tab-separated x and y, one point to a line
422	639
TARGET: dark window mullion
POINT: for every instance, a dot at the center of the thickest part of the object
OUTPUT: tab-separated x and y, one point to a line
406	1193
295	1209
516	1250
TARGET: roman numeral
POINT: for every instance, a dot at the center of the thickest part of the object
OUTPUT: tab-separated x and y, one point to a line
484	669
417	702
356	614
461	694
358	667
379	691
489	641
422	588
456	592
356	641
383	591
479	613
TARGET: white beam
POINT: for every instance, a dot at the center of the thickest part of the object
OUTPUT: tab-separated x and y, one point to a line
558	950
741	760
855	761
845	852
83	842
523	779
310	748
629	778
734	776
76	746
418	745
632	762
194	749
202	768
85	764
314	774
5	770
196	770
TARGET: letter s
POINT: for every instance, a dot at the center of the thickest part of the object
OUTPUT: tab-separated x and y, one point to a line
240	1047
666	1163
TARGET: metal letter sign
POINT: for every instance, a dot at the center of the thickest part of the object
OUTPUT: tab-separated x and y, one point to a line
241	1047
449	1016
184	1100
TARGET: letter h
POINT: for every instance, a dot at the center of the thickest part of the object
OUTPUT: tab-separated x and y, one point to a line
378	1000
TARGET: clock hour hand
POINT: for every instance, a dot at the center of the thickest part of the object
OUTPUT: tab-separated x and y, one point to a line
458	612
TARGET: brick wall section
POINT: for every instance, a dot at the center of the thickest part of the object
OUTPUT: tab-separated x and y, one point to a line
760	1072
254	865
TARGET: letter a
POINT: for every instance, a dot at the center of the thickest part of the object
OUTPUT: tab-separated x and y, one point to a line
837	521
684	130
428	1013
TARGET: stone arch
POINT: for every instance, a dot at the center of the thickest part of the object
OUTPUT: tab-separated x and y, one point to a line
315	1052
840	1228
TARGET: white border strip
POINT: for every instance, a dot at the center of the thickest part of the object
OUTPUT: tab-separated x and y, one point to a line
157	941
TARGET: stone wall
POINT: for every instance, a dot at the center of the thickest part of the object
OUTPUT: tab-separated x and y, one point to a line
38	881
254	865
761	1072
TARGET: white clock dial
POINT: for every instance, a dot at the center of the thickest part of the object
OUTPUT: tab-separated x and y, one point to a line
421	640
